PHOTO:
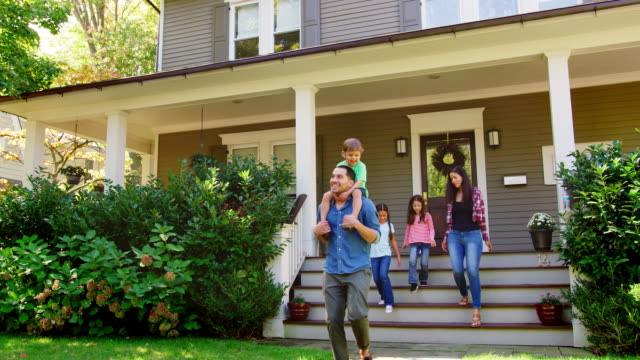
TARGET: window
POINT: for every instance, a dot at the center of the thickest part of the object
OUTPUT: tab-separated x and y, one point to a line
246	31
442	12
286	34
287	151
490	9
249	151
264	26
448	12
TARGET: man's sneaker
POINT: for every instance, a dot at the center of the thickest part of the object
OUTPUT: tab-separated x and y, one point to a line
414	287
389	309
381	302
423	283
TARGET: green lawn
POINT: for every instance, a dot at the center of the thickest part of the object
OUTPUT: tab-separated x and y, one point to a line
85	348
47	348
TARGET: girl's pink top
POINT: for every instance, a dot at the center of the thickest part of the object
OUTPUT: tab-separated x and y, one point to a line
420	232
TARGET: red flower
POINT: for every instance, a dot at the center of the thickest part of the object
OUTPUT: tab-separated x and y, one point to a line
170	276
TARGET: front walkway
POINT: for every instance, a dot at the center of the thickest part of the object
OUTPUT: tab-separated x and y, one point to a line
393	351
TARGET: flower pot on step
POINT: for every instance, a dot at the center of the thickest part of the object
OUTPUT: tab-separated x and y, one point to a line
541	239
299	311
549	314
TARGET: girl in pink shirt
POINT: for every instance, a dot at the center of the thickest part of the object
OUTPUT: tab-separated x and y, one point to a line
420	237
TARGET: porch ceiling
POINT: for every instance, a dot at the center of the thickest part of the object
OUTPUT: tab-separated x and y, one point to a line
498	61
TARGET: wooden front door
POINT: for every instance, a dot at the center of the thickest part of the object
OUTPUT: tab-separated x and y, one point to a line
434	182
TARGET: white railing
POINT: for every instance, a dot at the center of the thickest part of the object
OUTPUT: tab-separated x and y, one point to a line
286	266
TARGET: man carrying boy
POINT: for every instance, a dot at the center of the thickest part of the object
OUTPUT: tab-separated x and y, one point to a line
347	274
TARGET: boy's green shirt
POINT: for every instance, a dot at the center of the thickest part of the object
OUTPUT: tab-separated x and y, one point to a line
361	173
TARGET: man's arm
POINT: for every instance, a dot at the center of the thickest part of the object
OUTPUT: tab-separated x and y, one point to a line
368	234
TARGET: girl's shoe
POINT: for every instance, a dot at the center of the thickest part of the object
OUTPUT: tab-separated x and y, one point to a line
475	321
389	309
464	301
381	302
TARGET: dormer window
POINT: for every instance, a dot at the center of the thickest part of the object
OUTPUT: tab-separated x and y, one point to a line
263	27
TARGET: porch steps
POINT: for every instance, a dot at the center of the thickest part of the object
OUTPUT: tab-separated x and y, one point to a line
512	282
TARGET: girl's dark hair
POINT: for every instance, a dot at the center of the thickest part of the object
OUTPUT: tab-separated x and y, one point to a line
467	186
412	214
384	207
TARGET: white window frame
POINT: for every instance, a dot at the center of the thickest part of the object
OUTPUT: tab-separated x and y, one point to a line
549	165
470	9
245	146
264	140
266	27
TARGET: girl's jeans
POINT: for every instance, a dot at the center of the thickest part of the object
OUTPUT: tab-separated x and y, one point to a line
467	244
424	262
380	268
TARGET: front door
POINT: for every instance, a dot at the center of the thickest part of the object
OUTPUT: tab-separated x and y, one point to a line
439	153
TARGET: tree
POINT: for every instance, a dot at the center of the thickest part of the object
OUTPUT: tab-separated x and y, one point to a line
108	28
21	70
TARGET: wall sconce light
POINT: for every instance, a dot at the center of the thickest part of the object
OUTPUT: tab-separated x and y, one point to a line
401	146
493	137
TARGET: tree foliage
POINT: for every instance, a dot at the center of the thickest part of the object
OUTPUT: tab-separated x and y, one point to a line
119	40
21	70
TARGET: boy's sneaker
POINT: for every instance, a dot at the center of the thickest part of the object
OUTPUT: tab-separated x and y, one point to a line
389	309
414	287
423	283
381	302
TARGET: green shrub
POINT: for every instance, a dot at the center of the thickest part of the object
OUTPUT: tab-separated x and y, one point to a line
612	317
212	220
27	212
602	236
91	287
602	243
237	303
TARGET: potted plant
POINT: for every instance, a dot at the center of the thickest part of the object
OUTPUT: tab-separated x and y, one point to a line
541	227
73	174
298	308
549	309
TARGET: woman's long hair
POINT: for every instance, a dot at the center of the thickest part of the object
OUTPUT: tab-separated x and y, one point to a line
411	215
466	186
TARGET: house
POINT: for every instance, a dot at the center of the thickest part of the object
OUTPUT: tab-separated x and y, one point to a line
295	78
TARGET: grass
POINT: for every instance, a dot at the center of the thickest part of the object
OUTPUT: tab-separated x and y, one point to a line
66	348
85	348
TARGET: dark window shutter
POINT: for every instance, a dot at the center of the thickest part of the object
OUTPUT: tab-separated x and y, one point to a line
310	23
221	32
410	15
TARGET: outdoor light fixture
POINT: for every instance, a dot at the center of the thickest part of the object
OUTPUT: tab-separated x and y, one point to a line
493	137
401	146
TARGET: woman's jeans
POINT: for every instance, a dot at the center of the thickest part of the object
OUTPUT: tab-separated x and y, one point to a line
467	244
380	268
424	262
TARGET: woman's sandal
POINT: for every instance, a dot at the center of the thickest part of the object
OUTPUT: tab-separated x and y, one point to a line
464	301
475	321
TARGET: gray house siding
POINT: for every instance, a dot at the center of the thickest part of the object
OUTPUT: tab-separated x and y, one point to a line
188	33
344	20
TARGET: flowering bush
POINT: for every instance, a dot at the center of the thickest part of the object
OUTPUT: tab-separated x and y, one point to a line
549	299
299	299
541	221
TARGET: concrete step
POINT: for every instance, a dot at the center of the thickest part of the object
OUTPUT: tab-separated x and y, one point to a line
488	260
444	333
489	276
513	313
450	294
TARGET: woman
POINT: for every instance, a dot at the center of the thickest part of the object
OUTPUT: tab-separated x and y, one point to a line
466	229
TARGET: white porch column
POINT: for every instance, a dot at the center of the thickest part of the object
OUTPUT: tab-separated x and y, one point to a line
561	112
33	149
116	146
563	142
306	162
